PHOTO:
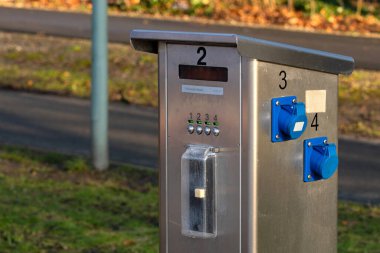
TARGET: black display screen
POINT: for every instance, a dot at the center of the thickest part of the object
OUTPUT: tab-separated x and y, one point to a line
206	73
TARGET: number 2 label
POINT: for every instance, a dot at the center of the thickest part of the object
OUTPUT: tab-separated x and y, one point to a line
202	51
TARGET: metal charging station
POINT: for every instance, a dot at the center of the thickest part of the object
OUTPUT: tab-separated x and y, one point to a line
248	143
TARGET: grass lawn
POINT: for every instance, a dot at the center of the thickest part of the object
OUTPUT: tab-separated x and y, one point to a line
55	203
62	66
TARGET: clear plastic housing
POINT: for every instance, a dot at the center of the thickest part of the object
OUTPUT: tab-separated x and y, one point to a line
198	191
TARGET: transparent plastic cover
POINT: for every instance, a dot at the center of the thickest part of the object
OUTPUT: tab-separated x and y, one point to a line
198	191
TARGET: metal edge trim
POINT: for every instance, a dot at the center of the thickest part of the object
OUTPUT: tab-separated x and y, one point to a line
248	149
240	154
162	77
255	157
147	40
285	54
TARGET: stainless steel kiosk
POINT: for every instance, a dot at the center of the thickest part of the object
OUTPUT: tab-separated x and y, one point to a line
248	143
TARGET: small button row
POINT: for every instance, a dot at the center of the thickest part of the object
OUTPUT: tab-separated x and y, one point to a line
199	130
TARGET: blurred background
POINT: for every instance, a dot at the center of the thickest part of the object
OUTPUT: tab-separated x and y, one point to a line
54	200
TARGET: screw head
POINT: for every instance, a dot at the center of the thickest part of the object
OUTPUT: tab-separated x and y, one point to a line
294	101
277	136
308	176
309	144
277	103
325	142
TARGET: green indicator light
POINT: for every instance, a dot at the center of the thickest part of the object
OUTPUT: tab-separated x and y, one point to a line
190	121
216	123
199	122
208	123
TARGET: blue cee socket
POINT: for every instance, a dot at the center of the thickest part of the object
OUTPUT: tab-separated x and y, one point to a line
320	159
289	119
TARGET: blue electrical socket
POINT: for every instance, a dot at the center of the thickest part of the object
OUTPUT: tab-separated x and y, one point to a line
320	159
289	119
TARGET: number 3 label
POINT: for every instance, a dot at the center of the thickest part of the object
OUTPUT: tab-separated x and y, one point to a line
284	83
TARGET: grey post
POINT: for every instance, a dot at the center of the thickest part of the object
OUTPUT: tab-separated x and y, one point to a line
99	89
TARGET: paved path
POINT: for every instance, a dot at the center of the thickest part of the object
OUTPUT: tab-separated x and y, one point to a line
78	25
62	124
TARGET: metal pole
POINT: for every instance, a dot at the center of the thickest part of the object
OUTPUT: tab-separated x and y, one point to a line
99	90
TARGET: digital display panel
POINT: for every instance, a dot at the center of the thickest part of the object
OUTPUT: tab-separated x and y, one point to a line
205	73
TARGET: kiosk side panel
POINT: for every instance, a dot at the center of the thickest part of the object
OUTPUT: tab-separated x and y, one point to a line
293	215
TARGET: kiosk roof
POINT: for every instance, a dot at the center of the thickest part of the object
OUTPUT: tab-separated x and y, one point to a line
263	50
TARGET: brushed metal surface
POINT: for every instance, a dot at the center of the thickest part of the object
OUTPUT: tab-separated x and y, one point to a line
263	50
227	171
292	216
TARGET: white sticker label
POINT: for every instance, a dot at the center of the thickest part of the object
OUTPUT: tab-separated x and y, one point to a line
218	91
298	126
315	101
200	193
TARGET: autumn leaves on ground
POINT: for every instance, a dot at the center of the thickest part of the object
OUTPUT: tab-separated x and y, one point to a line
352	16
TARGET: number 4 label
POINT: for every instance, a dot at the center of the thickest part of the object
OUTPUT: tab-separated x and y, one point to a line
314	123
